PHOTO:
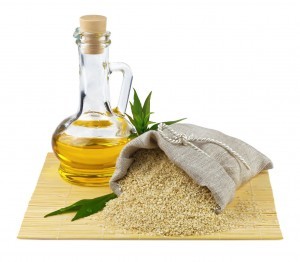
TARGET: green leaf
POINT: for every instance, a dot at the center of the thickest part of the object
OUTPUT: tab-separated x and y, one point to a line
74	207
93	206
146	108
155	126
85	207
136	113
131	119
132	136
147	118
137	126
136	101
174	121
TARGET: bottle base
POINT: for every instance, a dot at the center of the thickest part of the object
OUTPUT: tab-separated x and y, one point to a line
83	178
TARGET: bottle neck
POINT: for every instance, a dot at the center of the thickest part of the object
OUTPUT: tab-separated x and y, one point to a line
93	77
93	73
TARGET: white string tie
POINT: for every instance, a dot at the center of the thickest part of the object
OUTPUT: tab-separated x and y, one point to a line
183	139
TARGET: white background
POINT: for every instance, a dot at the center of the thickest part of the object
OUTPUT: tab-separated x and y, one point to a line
229	65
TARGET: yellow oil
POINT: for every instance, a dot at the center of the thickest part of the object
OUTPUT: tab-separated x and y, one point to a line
93	123
88	161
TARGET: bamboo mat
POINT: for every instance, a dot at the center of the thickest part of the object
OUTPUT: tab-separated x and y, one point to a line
52	193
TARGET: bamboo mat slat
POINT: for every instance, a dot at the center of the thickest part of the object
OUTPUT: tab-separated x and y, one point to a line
52	193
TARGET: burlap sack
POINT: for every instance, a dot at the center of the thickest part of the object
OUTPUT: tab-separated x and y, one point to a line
217	161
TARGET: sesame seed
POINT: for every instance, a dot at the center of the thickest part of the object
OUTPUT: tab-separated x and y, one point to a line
158	198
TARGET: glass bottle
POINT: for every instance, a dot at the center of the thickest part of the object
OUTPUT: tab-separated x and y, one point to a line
89	142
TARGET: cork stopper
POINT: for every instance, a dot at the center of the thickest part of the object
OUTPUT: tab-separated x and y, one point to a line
93	24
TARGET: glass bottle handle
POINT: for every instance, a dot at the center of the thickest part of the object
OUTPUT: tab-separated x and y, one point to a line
126	84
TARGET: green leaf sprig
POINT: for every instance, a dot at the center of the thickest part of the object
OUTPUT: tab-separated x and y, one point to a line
85	207
141	116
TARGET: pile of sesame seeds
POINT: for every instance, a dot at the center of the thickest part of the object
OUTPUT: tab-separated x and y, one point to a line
158	198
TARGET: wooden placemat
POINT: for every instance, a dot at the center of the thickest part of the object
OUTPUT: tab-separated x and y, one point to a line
52	193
